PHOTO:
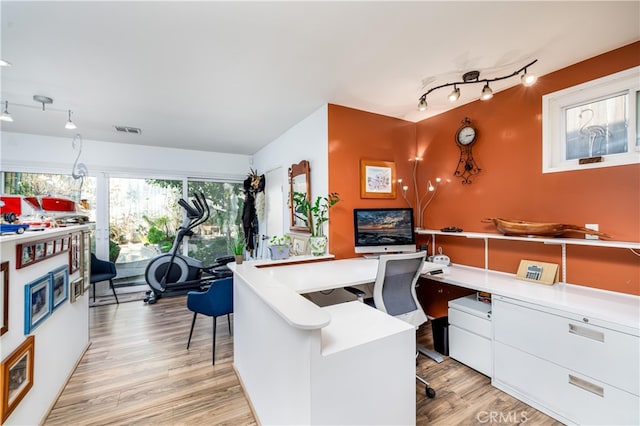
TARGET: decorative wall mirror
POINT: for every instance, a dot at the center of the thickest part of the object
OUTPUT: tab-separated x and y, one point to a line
299	181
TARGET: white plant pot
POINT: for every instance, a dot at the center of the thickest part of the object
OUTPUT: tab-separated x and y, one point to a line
318	245
278	252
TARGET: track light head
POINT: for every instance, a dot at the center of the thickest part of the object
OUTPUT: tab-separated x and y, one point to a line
70	124
487	93
528	79
5	114
4	63
455	94
422	105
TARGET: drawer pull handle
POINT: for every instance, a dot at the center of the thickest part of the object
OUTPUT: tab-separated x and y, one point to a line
586	332
588	386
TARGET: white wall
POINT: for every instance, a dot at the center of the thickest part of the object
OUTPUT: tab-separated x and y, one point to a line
60	339
45	154
307	140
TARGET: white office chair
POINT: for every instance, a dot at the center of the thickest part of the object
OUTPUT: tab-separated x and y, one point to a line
394	292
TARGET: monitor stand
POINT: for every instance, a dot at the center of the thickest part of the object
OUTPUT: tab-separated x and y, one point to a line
371	256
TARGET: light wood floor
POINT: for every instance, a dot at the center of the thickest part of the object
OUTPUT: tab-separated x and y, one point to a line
138	371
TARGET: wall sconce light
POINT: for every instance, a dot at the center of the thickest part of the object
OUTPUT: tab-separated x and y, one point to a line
473	77
427	197
44	100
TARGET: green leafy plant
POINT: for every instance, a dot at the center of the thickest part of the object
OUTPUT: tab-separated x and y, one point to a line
316	212
237	245
280	240
159	232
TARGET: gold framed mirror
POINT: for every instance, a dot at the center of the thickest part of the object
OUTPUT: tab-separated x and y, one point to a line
299	181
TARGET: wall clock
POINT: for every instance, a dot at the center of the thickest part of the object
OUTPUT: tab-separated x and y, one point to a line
465	138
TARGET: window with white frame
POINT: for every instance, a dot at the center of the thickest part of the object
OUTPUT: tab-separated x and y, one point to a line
592	125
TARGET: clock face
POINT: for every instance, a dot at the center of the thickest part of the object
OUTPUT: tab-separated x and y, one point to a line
466	135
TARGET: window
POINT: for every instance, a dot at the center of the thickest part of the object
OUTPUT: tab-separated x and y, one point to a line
211	239
594	124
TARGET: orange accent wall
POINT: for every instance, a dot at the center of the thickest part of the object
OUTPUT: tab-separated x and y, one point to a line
356	135
510	185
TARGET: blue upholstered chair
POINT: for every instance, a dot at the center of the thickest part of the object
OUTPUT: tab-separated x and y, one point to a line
216	301
102	270
394	292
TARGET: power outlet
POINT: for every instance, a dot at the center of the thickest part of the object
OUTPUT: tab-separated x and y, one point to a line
593	226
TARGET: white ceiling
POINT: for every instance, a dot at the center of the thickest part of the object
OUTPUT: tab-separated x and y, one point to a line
233	76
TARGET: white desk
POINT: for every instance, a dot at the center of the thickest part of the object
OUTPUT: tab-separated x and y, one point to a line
286	347
302	364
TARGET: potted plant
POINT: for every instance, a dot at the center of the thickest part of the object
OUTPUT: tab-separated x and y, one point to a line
317	214
237	246
279	248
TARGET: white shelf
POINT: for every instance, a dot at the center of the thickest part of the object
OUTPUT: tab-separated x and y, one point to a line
544	240
562	242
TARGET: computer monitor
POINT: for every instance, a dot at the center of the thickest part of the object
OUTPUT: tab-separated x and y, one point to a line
384	230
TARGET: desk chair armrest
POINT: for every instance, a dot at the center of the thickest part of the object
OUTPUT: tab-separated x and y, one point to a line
356	292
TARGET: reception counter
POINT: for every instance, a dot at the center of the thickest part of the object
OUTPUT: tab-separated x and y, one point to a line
303	364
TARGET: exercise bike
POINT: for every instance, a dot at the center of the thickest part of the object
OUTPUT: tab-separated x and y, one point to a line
171	274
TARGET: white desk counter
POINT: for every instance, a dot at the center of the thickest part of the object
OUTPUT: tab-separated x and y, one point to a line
302	364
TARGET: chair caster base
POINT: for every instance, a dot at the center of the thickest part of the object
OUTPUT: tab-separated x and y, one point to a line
431	393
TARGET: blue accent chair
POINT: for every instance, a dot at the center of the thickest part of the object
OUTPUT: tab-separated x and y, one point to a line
102	270
214	302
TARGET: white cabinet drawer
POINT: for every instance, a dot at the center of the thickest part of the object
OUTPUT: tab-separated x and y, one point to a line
472	323
607	355
470	349
567	393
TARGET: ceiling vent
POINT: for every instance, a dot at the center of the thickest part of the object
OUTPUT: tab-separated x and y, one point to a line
127	129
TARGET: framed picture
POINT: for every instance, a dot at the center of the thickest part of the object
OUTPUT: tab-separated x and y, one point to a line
74	253
86	260
593	124
37	303
377	179
4	298
76	288
59	286
40	251
25	254
32	252
17	376
299	244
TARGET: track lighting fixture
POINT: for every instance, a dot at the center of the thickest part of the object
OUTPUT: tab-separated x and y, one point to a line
473	77
44	100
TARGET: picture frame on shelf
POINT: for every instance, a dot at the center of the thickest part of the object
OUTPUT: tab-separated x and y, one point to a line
377	179
4	297
299	244
59	286
17	376
37	302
